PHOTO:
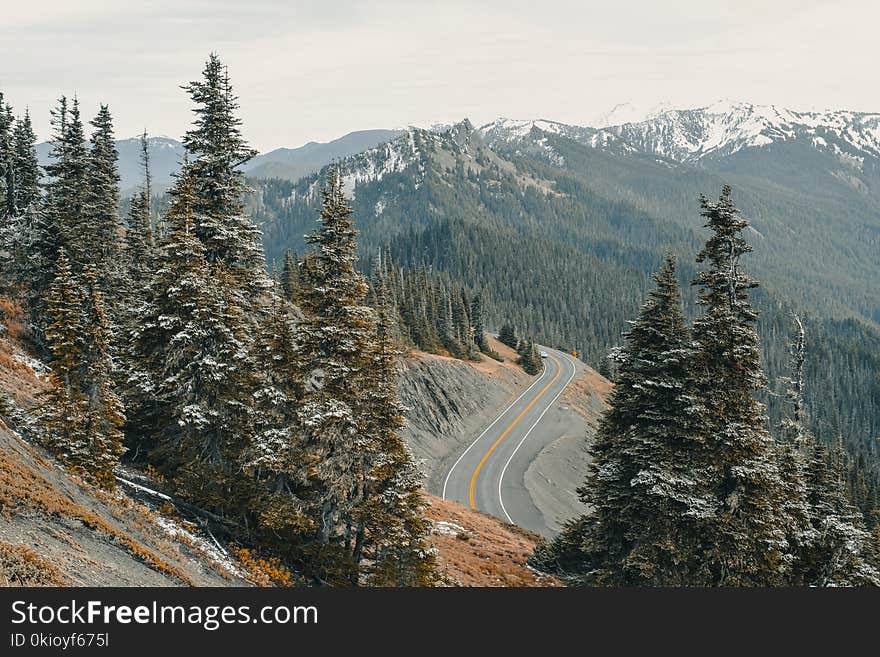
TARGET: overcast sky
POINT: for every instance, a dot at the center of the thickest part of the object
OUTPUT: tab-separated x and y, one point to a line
316	69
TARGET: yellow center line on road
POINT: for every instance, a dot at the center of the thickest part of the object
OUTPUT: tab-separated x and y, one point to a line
508	430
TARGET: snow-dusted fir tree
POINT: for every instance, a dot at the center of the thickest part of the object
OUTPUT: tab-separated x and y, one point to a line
68	190
138	257
745	538
63	412
104	413
218	150
26	166
192	384
102	229
24	203
274	456
7	168
842	553
392	532
647	488
334	345
290	275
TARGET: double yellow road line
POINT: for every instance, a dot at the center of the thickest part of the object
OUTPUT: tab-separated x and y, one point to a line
509	429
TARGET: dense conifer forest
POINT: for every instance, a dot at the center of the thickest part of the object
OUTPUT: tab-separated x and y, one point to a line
171	347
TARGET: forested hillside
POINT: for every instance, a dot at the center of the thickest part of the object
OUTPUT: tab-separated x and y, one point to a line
561	237
171	347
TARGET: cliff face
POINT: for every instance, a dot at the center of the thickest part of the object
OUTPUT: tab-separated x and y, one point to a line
450	402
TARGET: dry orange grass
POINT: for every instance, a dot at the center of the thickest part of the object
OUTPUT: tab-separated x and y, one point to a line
485	551
16	378
21	566
25	489
508	368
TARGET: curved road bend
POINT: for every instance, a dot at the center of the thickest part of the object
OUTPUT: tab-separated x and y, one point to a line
489	475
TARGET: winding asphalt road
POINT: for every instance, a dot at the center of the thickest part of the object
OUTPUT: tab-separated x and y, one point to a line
489	475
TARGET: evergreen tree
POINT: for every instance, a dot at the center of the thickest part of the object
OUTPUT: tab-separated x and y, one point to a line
392	532
842	552
829	538
645	487
290	275
508	337
529	359
64	412
194	382
25	204
219	149
139	243
7	163
745	536
68	191
793	448
102	231
274	455
26	166
479	328
104	414
334	346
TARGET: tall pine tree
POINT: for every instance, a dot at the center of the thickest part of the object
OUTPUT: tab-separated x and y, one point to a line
193	383
103	409
218	150
101	234
745	536
646	487
63	414
392	532
334	346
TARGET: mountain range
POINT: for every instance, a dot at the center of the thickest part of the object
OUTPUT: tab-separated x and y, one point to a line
688	136
166	154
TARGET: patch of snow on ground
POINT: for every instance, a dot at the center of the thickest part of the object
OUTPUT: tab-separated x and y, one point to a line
449	528
37	366
211	549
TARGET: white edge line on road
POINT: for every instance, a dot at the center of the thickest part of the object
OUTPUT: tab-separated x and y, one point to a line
494	422
516	449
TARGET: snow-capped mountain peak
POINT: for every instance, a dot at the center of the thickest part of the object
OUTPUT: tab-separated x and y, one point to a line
717	130
726	127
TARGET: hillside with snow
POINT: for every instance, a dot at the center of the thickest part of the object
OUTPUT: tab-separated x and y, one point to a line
715	131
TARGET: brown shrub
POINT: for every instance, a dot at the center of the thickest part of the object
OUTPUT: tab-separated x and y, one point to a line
21	566
264	571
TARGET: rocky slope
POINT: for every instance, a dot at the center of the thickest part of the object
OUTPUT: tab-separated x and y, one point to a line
450	402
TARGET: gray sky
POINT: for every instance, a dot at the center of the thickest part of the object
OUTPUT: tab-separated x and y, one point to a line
316	69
